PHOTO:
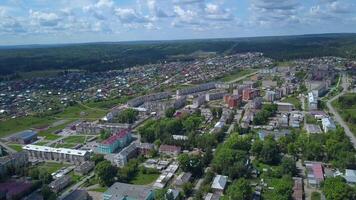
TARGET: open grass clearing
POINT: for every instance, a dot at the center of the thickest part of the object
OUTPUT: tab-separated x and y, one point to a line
144	179
236	74
295	101
51	166
76	139
16	147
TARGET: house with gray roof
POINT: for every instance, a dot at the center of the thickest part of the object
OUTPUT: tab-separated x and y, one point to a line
219	183
123	191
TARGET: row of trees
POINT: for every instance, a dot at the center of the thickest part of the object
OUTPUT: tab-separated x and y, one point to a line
262	116
232	157
347	101
163	129
106	173
128	116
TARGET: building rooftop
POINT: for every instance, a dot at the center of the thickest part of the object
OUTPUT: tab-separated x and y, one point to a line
219	182
121	190
170	148
26	134
328	122
31	147
350	175
117	136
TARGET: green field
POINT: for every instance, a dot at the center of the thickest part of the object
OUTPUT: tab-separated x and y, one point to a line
48	136
16	147
72	113
100	189
19	124
42	143
144	179
236	74
347	113
295	101
75	139
64	145
51	166
81	112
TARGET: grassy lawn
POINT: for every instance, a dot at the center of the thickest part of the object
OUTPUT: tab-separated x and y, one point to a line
310	119
100	189
77	139
107	104
48	136
347	113
75	178
51	166
42	143
73	113
295	101
315	196
81	112
236	74
64	145
144	179
11	126
16	147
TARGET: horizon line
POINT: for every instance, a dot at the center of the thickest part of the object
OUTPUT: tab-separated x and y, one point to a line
165	40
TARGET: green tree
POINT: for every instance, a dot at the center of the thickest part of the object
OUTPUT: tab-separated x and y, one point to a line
239	190
47	193
191	163
337	189
34	173
129	171
45	176
97	158
288	166
127	116
269	153
105	173
187	189
104	135
170	112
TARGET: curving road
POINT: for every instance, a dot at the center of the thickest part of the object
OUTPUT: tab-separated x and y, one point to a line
337	117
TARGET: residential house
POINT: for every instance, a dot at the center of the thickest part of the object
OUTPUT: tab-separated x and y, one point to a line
170	150
123	191
84	168
59	184
219	183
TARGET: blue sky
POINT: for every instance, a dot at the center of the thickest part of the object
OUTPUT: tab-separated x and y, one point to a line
76	21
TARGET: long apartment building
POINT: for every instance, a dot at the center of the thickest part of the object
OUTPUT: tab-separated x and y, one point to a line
151	97
115	142
195	89
56	154
95	128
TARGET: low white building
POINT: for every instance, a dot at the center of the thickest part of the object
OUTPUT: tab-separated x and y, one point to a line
328	124
312	101
219	183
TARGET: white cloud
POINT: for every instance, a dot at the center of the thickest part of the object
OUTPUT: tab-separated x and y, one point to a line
129	15
44	18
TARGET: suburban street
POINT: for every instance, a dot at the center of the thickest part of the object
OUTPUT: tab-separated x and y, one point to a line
75	186
337	117
7	147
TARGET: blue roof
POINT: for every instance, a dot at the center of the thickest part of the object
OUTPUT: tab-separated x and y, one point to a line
26	134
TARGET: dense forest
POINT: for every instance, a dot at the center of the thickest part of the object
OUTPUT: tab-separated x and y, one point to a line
105	56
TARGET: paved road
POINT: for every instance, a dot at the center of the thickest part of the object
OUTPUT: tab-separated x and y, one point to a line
8	149
337	117
75	186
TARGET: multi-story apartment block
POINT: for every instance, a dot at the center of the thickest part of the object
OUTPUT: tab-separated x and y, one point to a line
115	142
56	154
